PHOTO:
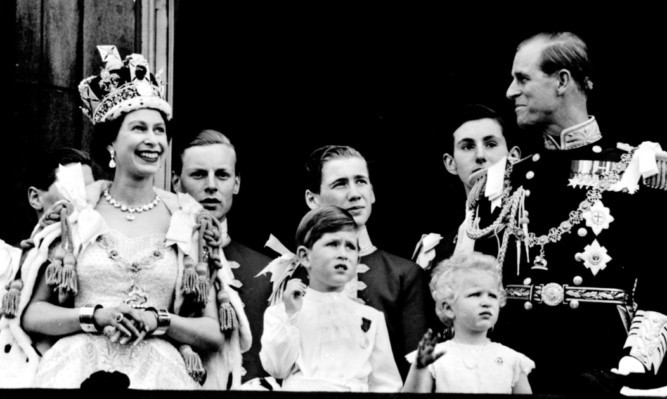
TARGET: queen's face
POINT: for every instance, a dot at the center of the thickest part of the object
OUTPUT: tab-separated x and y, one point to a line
141	143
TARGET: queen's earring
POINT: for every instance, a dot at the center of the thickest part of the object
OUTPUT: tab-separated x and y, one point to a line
112	162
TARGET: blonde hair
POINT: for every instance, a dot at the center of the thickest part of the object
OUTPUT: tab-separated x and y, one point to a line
446	279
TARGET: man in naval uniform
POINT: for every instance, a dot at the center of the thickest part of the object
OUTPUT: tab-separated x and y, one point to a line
569	225
207	169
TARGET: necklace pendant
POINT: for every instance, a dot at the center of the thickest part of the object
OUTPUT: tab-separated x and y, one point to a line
130	217
539	263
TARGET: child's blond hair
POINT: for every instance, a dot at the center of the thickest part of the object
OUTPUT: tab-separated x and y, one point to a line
446	279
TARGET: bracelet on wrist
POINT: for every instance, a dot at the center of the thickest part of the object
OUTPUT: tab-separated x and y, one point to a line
87	319
163	321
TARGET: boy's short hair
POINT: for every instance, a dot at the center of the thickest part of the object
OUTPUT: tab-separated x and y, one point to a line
42	171
320	221
445	278
469	113
322	155
202	138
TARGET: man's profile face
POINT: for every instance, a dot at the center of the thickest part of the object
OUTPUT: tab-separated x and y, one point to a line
533	92
346	184
478	144
209	176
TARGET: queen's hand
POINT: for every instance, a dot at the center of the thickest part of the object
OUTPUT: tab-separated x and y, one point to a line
122	323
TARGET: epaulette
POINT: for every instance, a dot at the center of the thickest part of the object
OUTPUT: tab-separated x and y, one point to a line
657	178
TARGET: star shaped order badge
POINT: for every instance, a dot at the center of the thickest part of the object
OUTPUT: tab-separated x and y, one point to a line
595	257
598	217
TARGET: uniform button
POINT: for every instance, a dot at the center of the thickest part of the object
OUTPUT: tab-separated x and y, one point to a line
577	280
574	304
528	305
597	149
530	174
582	232
536	157
527	281
527	193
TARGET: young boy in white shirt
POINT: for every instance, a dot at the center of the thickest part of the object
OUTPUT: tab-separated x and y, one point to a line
318	339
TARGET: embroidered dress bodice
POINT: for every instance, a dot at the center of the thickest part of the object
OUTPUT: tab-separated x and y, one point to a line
138	270
114	269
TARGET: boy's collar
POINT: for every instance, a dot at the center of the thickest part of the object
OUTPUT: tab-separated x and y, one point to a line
324	296
366	247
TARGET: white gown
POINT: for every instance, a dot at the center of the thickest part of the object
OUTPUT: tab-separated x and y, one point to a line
112	269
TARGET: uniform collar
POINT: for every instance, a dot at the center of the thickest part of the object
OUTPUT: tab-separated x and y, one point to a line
366	247
574	137
224	233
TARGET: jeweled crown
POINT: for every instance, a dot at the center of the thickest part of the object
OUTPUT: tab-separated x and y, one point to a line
122	86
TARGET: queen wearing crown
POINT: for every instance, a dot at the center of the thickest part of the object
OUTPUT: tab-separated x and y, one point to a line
122	275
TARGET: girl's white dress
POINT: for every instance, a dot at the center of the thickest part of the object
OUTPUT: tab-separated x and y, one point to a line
488	368
332	344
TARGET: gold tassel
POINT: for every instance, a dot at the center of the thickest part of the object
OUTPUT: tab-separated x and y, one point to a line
228	320
54	271
203	286
189	276
193	363
69	284
10	301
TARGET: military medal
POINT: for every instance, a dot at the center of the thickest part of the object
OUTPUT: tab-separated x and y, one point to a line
598	217
591	209
595	257
365	326
588	173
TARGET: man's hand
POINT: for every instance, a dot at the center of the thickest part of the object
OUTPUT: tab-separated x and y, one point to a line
293	296
426	353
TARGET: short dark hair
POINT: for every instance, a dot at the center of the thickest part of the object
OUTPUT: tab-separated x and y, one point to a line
201	138
565	50
322	155
473	112
41	172
320	221
104	133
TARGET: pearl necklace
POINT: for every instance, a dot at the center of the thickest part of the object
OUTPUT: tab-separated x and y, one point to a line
130	209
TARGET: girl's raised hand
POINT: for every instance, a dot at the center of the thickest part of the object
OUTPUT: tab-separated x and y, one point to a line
426	353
